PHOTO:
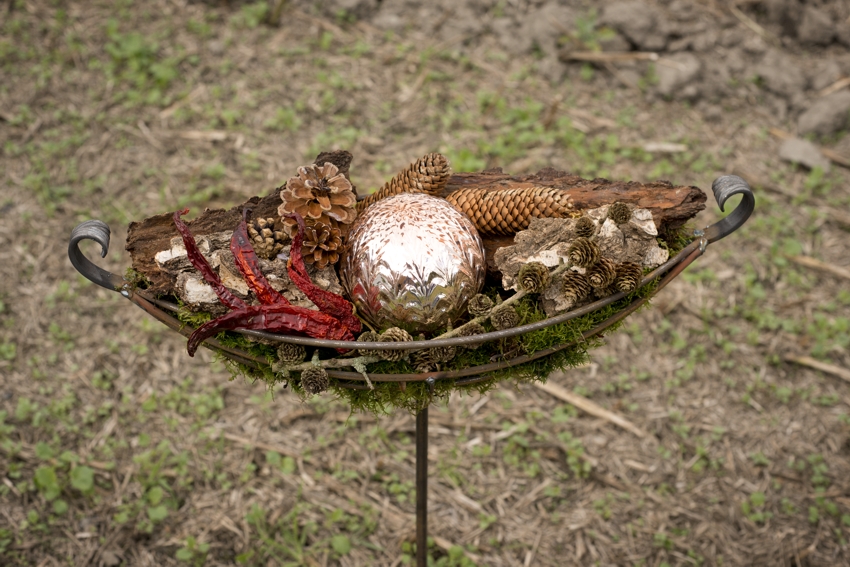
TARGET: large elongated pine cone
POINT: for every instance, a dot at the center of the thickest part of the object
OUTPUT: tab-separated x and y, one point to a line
428	174
506	212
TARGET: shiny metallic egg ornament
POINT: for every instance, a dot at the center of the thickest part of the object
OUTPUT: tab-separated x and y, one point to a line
412	261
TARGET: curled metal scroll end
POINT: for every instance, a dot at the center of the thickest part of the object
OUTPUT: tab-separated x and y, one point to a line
723	188
98	231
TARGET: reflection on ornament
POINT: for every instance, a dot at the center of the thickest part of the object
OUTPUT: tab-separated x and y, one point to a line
412	261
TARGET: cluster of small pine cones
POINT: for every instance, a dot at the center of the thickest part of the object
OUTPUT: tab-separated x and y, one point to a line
602	276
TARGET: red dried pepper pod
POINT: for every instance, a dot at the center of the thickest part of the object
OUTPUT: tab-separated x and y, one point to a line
200	263
249	265
326	301
273	318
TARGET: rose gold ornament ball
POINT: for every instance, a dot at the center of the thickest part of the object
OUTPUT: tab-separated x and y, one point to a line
412	261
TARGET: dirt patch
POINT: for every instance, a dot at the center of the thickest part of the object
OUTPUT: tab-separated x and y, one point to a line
116	447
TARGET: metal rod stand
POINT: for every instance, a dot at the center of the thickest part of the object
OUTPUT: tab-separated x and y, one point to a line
422	481
422	488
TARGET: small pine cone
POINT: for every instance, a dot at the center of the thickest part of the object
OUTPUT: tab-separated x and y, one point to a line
504	317
534	277
479	305
575	286
267	241
422	361
620	213
319	193
314	380
369	337
629	275
442	354
585	227
322	243
288	353
471	329
583	253
397	335
602	274
428	174
508	211
601	292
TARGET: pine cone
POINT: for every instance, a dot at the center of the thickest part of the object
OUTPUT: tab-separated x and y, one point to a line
322	243
314	380
398	335
369	337
471	329
504	317
602	274
629	275
428	174
267	241
601	292
585	227
620	213
575	286
583	253
288	353
508	211
479	305
318	194
534	277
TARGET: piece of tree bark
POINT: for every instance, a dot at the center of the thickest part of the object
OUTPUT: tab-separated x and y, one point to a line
671	207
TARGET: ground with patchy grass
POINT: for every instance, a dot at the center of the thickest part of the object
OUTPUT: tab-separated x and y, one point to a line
117	448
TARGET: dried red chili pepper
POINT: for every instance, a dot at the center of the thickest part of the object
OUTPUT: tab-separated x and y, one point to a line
249	265
275	318
200	263
326	301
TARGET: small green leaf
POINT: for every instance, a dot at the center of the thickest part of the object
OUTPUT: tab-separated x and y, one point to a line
47	483
287	465
183	554
60	507
341	544
155	495
43	451
82	478
157	513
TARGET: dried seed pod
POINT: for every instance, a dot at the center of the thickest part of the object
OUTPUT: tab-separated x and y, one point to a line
288	353
469	330
442	354
319	193
629	275
504	317
508	211
534	277
575	286
428	174
603	273
370	337
322	243
585	227
620	213
583	253
314	380
479	305
267	241
397	335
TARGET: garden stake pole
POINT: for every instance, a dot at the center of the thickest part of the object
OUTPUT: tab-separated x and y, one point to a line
422	482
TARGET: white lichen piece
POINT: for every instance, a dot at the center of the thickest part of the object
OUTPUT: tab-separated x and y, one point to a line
642	218
655	256
195	291
229	279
